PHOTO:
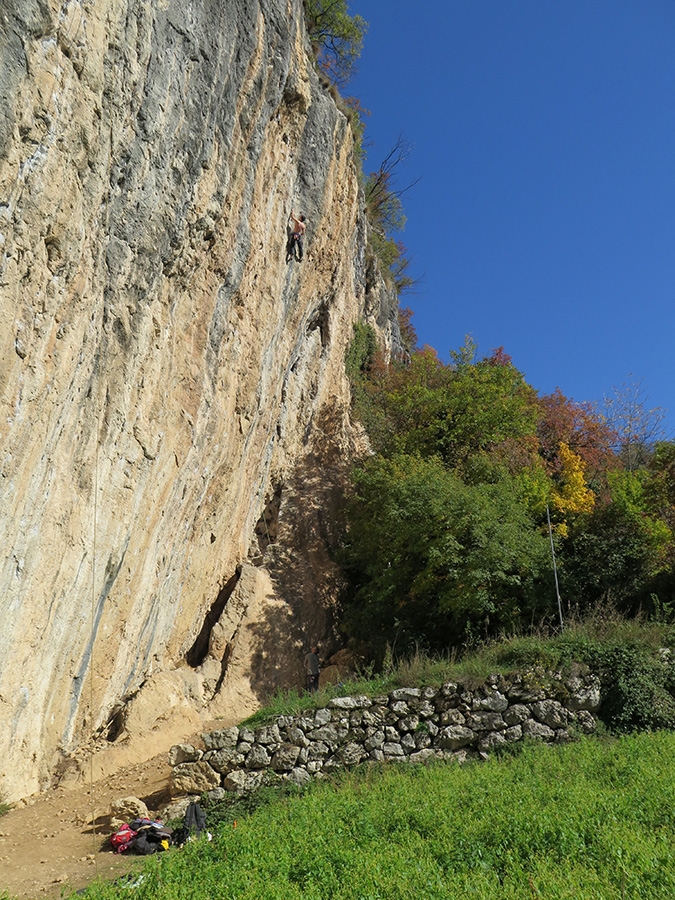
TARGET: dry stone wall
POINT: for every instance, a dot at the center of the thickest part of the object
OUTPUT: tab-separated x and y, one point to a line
407	725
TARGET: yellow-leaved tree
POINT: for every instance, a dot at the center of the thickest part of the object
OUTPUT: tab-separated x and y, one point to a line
571	494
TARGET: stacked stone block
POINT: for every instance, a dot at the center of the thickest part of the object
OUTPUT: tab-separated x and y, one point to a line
413	725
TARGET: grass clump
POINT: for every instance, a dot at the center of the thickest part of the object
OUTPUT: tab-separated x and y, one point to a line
418	670
588	820
631	658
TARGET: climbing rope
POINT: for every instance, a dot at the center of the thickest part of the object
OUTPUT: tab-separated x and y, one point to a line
92	641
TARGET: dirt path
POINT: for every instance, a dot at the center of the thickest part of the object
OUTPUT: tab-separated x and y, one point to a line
50	847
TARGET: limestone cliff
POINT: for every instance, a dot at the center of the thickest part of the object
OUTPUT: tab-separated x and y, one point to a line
175	413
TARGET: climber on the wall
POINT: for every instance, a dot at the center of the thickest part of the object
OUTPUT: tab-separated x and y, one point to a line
294	247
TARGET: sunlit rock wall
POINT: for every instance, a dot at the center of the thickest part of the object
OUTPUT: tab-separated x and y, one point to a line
174	407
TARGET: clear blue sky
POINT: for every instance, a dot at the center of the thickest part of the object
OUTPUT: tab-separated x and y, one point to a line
544	221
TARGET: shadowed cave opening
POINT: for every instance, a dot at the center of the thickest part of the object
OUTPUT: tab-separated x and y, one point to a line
115	724
267	527
321	320
197	652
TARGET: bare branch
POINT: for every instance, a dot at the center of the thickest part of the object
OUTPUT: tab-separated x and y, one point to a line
637	427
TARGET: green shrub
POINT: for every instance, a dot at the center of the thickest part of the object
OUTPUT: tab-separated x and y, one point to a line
233	808
635	688
361	351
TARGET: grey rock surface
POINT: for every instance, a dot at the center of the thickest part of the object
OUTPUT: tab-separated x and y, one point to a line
537	730
224	739
181	753
258	757
285	758
194	778
551	713
584	694
452	737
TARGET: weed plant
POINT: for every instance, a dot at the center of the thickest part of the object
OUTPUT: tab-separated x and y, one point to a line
588	821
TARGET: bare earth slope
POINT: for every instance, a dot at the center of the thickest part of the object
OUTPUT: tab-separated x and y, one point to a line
51	846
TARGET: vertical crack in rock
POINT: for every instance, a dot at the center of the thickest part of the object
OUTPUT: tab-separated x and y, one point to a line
321	319
225	662
198	651
267	527
111	573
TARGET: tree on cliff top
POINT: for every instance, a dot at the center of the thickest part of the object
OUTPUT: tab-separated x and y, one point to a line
336	36
386	216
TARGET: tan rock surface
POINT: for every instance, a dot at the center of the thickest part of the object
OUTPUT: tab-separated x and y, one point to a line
173	398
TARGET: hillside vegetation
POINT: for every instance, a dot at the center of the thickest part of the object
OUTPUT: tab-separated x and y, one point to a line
485	509
632	658
447	538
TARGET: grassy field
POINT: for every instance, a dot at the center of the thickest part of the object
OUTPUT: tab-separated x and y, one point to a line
593	820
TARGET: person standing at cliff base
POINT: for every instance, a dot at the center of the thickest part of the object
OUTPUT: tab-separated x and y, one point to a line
313	670
294	248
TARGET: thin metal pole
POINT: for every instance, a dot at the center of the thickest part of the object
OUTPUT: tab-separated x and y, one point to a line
555	568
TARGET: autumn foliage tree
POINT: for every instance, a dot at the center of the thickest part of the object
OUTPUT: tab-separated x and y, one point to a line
581	428
440	543
447	524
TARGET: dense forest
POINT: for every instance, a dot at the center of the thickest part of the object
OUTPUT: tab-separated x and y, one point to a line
479	494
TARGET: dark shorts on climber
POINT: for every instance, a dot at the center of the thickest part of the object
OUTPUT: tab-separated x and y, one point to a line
294	248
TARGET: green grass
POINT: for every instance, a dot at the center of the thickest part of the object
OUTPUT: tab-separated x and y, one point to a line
589	821
418	671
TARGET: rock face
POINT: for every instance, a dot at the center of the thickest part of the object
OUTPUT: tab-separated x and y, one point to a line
174	419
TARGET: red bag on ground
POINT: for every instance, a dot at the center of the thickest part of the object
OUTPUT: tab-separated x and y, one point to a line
122	838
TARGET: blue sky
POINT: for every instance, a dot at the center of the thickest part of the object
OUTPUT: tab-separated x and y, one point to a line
543	132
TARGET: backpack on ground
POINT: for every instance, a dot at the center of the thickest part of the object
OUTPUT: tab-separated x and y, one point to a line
123	838
142	836
195	818
193	824
151	836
